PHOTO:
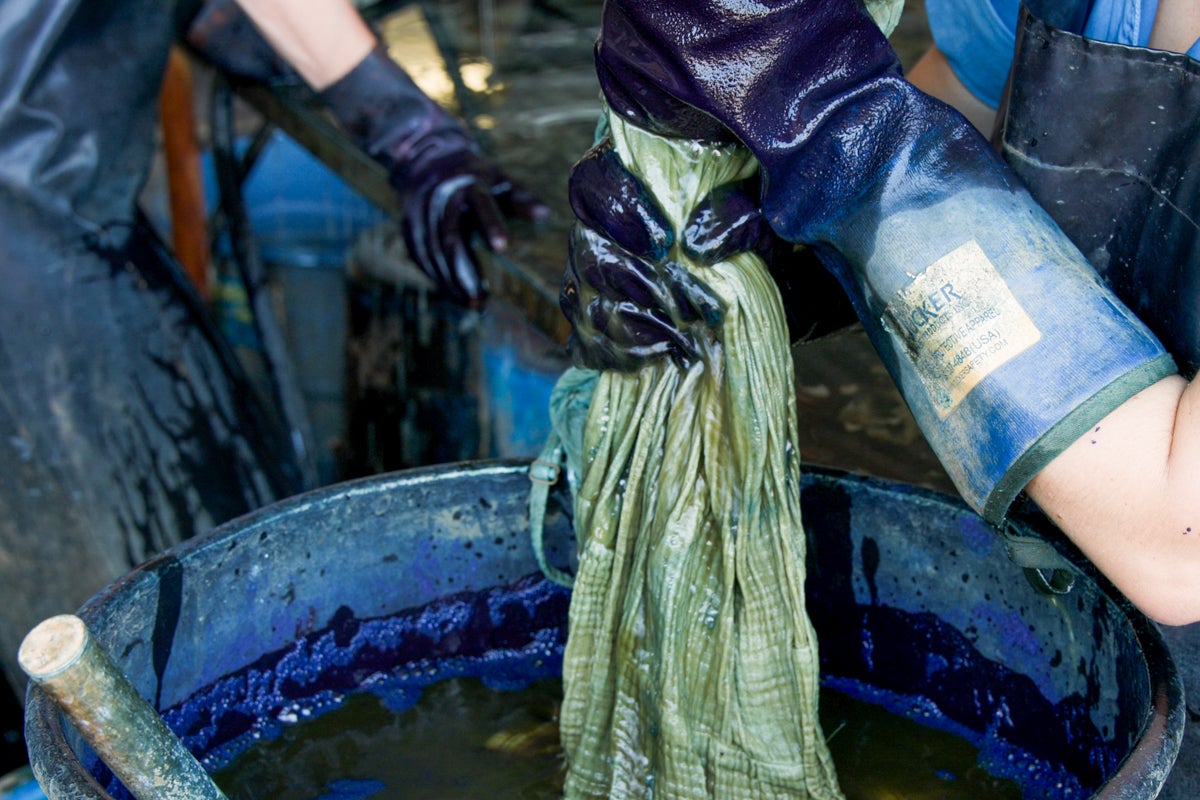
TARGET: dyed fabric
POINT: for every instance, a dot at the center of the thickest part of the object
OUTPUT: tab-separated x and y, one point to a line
691	666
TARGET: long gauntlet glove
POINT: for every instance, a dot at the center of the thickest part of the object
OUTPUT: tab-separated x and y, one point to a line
451	191
1002	339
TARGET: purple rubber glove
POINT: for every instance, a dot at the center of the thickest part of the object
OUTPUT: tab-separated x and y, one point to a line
621	319
450	191
1001	337
626	301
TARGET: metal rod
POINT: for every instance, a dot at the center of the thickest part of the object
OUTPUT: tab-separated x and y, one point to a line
277	360
64	660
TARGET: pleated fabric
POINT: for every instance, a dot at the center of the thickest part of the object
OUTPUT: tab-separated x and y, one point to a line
691	666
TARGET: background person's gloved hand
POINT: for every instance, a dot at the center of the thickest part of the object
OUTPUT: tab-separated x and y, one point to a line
628	303
1004	342
450	190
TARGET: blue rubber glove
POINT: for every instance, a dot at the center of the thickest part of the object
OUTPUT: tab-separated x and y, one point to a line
1002	339
450	190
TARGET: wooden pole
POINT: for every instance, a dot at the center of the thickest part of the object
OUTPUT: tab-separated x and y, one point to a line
62	658
189	215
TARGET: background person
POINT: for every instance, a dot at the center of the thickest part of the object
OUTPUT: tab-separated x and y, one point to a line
127	424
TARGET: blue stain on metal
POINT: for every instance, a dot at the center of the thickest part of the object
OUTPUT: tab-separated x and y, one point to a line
353	790
977	534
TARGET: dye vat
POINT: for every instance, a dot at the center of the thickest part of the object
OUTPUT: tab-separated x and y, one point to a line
404	589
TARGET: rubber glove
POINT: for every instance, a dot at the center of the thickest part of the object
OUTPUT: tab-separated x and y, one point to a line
612	329
451	192
1002	339
627	303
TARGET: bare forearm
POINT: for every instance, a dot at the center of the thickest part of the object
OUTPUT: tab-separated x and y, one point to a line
322	39
1176	25
1128	494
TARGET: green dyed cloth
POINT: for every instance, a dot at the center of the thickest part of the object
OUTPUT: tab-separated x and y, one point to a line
691	666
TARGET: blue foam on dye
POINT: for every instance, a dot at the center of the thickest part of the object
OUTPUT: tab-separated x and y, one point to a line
916	656
512	636
508	637
999	758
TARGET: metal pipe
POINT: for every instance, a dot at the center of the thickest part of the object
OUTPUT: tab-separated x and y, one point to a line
278	362
64	660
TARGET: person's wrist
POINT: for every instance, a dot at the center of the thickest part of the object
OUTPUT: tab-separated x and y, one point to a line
383	110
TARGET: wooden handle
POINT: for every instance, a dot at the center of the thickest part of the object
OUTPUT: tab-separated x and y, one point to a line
62	658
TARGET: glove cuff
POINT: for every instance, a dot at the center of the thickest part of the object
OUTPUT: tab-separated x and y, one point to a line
994	506
387	114
1007	347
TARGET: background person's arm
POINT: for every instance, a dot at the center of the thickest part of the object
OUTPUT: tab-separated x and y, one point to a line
1176	25
451	192
322	39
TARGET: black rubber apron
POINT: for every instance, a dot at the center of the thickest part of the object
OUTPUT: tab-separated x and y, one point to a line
125	424
1107	137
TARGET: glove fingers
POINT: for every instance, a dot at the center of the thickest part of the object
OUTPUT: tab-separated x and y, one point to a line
728	221
606	196
438	243
468	277
619	335
596	352
518	202
473	209
694	298
613	334
616	274
648	335
469	211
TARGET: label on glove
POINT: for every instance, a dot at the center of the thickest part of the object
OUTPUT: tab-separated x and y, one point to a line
959	322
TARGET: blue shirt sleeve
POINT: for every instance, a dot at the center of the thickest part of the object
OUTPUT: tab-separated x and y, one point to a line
977	36
1125	22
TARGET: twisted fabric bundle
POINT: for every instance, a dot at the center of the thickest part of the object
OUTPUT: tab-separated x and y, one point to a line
691	665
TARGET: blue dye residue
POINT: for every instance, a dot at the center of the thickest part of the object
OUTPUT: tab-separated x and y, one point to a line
508	637
512	636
